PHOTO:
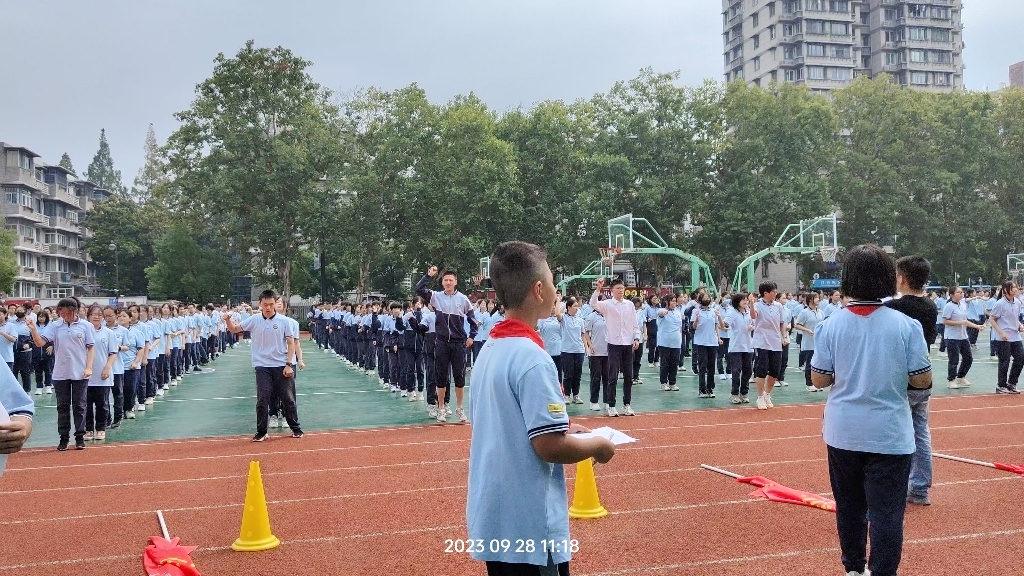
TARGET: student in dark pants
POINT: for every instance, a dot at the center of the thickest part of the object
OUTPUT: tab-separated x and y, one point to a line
638	353
868	353
741	347
453	311
23	350
595	331
669	328
1005	320
42	360
72	338
623	340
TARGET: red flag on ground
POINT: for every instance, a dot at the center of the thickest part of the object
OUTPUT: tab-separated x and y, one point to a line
778	493
165	557
1015	468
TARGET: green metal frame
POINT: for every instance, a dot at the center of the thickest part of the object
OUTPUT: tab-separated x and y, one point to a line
1014	263
656	246
789	242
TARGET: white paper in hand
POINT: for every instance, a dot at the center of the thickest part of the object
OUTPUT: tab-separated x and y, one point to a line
610	433
4	418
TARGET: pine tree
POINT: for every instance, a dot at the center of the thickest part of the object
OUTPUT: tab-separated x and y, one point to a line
101	171
151	172
65	163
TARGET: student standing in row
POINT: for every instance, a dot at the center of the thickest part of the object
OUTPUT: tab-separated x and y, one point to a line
42	359
670	343
741	348
550	330
595	334
623	339
102	377
572	350
706	323
1005	320
806	323
452	310
958	345
768	340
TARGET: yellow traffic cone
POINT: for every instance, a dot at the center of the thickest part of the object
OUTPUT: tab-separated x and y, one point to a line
255	534
585	501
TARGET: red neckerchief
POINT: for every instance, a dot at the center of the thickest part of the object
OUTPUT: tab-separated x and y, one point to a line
864	308
512	328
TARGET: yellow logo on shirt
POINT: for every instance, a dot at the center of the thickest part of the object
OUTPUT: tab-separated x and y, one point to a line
556	408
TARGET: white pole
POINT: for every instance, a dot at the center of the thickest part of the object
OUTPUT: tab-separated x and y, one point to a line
965	460
163	525
720	471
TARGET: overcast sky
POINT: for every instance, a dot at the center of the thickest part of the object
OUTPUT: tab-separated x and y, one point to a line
73	67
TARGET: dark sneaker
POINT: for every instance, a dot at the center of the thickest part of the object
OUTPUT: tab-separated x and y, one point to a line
1002	390
296	433
259	437
79	443
63	445
918	500
1012	390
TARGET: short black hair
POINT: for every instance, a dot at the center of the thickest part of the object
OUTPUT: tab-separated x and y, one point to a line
766	287
615	282
916	270
449	273
636	300
869	273
396	305
515	268
268	294
738	298
71	303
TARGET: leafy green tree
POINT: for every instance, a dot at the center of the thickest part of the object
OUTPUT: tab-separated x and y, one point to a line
65	163
133	228
9	268
101	170
186	270
152	172
260	145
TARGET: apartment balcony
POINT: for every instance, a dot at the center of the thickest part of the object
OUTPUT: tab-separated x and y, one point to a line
27	274
17	175
66	251
57	193
791	16
60	278
946	44
30	245
932	66
828	61
790	62
737	41
19	211
792	39
894	67
737	18
65	224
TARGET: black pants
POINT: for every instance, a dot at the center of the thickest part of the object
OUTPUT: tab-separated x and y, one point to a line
117	409
131	382
151	378
406	370
558	366
940	333
394	367
97	409
598	378
669	358
450	356
1009	375
960	358
72	396
742	365
871	497
23	368
972	333
572	371
767	363
507	569
723	357
638	356
417	362
785	363
705	356
620	358
653	353
382	362
44	370
805	361
272	381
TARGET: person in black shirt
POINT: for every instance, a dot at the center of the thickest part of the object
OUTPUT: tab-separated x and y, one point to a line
912	273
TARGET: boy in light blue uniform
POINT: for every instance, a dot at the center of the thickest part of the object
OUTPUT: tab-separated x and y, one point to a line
670	343
520	423
20	409
8	338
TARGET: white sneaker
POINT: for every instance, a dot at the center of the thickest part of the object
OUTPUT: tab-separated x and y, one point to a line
140	408
576	399
783	383
964	383
394	388
432	411
149	401
665	387
281	421
674	388
812	389
595	407
735	399
39	392
272	423
461	414
953	384
448	410
405	394
723	376
628	410
744	399
768	400
160	392
441	417
566	398
761	404
612	411
412	397
49	389
130	415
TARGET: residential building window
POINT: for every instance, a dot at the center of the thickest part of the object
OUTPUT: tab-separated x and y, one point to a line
840	52
757	40
894	35
865	40
919	78
841	6
788	30
918	56
942	79
815	73
757	82
791	6
50	238
940	35
940	12
815	26
757	63
839	28
26	260
754	20
24	161
840	74
771	9
771	32
27	200
918	33
815	49
775	75
788	53
13	195
818	5
942	57
917	10
890	14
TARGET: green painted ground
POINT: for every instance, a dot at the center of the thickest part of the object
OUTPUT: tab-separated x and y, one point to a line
331	396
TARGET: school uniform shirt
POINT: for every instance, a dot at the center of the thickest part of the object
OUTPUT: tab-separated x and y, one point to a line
955	311
7	347
137	336
641	321
620	318
597	328
513	494
269	339
586	310
809	319
787	315
121	337
156	338
487	321
551	332
177	323
650	312
975	310
24	336
670	329
12	397
705	334
70	347
190	327
767	334
1007	316
429	319
105	347
740	338
451	311
829	308
871	356
572	334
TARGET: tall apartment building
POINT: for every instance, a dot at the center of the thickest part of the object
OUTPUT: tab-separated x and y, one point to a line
1017	74
826	44
43	205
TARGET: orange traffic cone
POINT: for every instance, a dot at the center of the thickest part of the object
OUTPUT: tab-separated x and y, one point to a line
585	501
255	533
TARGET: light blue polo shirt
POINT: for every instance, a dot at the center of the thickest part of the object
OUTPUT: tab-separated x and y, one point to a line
740	338
122	338
1007	316
513	493
156	338
176	323
487	321
269	339
105	347
70	347
551	332
14	400
871	357
136	340
428	319
809	319
766	326
670	329
705	334
954	311
572	334
975	309
597	328
6	346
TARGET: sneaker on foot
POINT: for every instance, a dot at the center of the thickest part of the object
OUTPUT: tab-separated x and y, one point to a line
160	392
783	383
79	444
964	383
744	399
280	421
761	404
702	395
628	410
1002	390
735	399
140	408
49	389
130	415
953	384
273	422
432	411
612	411
674	388
711	394
297	433
595	406
665	387
461	414
62	446
101	435
441	417
405	394
39	392
412	397
89	435
723	377
768	400
919	500
259	437
1012	390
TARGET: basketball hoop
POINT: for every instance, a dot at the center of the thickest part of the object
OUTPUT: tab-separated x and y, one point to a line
829	254
608	255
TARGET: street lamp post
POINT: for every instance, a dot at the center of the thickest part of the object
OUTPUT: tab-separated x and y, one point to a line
117	271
